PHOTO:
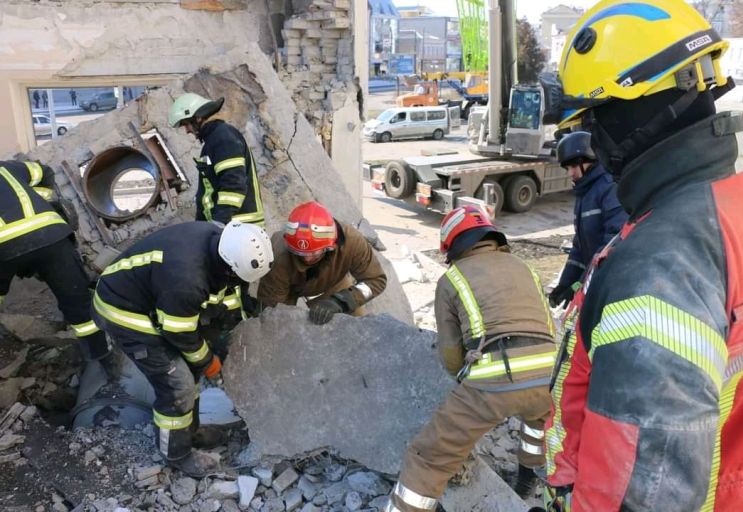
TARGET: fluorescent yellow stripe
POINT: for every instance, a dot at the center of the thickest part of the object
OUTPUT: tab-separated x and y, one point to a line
230	199
20	192
214	298
85	328
206	201
250	218
197	356
477	325
172	422
257	192
229	163
26	225
36	173
44	192
545	304
172	323
517	365
136	260
134	321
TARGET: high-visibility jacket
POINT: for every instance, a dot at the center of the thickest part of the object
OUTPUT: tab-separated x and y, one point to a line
597	217
161	285
228	180
647	397
490	294
27	220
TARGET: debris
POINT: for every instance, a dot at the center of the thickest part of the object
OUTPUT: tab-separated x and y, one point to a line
147	472
222	490
11	369
292	499
183	490
10	391
366	482
8	441
265	475
10	457
486	492
28	327
13	413
246	486
284	480
353	501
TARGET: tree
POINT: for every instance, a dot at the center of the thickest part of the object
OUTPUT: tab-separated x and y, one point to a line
531	58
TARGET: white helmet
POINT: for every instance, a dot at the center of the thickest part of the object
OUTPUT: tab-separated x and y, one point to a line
247	250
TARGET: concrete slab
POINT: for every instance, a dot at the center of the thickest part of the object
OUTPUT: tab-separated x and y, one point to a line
486	492
364	386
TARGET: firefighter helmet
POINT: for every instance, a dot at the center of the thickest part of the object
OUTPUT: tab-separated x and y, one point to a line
246	248
462	228
189	105
310	230
626	50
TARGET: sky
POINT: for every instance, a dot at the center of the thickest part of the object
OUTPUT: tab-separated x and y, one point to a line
529	8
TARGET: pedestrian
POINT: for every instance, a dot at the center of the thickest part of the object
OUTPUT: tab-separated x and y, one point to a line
647	391
35	240
495	335
228	181
36	98
149	301
45	99
328	263
73	97
597	214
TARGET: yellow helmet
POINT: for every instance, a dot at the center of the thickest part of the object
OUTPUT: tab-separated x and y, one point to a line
625	50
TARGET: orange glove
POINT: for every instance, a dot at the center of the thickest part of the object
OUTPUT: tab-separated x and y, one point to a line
215	366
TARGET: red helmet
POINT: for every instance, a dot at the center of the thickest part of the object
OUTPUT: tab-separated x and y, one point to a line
466	219
310	230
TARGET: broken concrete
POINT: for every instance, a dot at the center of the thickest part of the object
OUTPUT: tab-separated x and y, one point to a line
348	384
485	492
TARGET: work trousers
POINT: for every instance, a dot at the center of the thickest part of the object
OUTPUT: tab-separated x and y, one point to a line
343	284
444	444
60	267
176	385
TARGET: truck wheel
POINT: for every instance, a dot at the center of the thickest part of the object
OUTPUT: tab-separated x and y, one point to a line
521	192
438	134
384	137
61	130
399	180
93	107
498	195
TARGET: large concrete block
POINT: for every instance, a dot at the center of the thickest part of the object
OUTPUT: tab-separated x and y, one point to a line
363	386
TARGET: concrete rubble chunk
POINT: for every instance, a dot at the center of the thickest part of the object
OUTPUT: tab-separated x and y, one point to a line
10	440
222	490
11	369
486	492
10	391
265	475
246	486
183	490
27	327
284	480
292	499
147	472
366	482
273	505
347	384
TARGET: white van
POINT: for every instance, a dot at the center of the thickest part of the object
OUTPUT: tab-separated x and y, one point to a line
407	123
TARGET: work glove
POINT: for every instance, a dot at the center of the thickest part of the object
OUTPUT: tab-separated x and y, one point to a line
213	368
558	499
322	310
561	295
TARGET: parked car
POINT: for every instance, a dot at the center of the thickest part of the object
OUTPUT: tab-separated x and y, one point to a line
43	126
407	123
101	101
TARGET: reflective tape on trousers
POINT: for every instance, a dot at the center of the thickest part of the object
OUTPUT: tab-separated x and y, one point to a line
532	432
414	499
172	422
85	328
532	449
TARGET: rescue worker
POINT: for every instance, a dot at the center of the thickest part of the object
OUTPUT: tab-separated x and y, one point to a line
597	214
35	240
329	263
495	334
228	180
647	394
149	301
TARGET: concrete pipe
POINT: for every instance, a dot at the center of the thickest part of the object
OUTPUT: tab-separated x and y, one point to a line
121	183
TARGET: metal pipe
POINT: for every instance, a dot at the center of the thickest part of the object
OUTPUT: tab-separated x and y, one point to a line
495	63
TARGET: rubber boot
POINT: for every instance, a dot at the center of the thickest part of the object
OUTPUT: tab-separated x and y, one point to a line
526	482
208	437
196	464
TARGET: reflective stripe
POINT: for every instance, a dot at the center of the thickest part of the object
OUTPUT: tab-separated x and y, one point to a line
532	432
477	325
214	299
85	328
229	163
172	422
28	224
232	301
20	192
206	201
391	508
134	321
46	193
131	262
414	499
257	193
172	323
35	172
197	356
667	326
365	290
486	369
545	302
531	448
590	213
250	218
230	199
577	264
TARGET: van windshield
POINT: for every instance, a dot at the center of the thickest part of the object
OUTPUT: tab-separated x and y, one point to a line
385	116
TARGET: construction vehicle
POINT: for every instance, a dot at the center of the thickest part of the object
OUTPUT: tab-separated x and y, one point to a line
473	89
425	94
509	163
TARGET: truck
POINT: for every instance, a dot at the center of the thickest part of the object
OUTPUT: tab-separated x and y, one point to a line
425	94
509	163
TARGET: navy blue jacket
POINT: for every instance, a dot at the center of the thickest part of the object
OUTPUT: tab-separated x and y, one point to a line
598	216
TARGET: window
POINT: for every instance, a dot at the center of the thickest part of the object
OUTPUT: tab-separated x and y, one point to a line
399	117
417	116
435	115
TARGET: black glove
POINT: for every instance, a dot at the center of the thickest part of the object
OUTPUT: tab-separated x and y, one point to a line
323	310
561	295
